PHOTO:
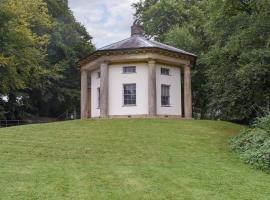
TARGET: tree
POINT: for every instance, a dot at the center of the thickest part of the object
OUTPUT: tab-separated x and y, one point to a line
24	38
40	45
231	39
238	61
69	43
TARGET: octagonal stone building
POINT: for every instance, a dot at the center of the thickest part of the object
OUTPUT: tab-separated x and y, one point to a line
136	77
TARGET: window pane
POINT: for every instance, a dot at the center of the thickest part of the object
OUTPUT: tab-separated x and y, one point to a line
129	69
165	71
165	95
129	94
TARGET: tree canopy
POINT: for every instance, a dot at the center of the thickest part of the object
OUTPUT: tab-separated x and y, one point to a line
40	45
231	38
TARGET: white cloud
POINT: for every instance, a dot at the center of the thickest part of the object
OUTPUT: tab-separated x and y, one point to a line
107	21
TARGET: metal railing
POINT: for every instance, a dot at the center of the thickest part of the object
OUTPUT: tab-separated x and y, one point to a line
63	117
9	123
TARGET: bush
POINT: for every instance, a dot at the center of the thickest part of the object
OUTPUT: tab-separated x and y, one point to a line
253	144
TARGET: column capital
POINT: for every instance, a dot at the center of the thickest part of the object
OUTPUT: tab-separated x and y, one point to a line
187	69
83	70
152	62
186	66
105	62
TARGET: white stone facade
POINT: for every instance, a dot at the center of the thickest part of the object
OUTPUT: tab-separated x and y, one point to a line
116	80
95	85
174	81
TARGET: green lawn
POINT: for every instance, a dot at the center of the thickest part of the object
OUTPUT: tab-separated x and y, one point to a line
126	159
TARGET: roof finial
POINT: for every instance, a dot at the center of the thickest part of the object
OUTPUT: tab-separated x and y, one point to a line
137	29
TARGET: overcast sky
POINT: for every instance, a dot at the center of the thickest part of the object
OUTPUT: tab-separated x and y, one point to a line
107	21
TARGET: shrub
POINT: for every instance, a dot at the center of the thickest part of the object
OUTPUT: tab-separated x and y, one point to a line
253	144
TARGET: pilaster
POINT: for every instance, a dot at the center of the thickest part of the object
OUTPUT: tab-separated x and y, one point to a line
187	92
84	95
152	93
104	89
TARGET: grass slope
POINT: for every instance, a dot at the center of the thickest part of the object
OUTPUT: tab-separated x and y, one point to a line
126	159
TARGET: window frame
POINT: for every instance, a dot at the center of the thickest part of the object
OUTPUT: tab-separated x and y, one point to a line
98	75
126	71
129	99
167	71
166	96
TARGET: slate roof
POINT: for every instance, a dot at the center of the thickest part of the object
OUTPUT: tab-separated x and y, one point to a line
139	42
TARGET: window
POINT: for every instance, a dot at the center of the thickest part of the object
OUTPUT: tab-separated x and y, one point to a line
129	94
165	71
98	75
165	95
129	69
98	97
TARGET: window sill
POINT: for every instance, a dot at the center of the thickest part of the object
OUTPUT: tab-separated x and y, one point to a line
129	72
131	105
166	106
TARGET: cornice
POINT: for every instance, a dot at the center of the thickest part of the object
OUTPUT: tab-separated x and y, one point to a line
101	53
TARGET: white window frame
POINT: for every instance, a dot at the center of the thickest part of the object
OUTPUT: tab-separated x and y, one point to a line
129	69
98	74
165	71
124	95
166	96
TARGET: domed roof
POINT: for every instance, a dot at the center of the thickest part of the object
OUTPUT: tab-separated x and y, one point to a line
136	42
139	42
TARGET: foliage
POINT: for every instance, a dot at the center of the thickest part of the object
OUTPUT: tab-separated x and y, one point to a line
24	39
40	44
231	39
253	144
239	70
69	43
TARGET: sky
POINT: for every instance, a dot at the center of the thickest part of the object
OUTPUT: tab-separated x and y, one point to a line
107	21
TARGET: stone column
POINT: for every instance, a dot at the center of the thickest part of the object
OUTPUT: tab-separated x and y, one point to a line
104	90
89	96
187	93
84	95
89	102
152	94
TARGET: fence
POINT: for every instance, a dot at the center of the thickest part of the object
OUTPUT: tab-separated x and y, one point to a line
8	123
63	117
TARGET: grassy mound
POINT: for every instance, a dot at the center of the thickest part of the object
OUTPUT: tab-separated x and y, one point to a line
126	159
